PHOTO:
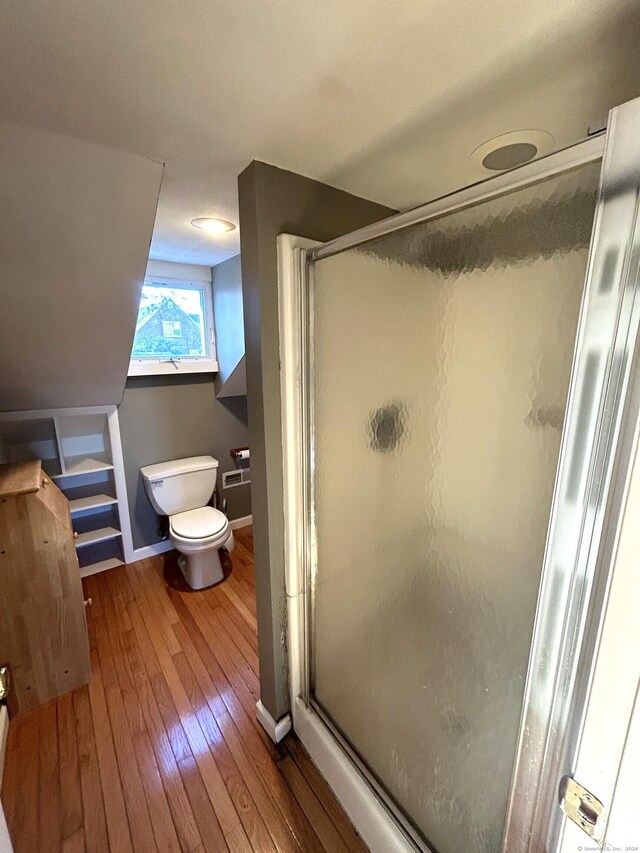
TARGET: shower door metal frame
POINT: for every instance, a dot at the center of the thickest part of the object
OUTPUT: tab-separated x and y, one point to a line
597	442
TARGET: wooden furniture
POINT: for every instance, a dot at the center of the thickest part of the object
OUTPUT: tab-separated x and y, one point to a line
43	628
81	451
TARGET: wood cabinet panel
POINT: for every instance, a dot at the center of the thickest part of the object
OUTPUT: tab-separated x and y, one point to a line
43	629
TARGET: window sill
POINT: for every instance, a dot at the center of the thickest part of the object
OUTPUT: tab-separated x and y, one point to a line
154	368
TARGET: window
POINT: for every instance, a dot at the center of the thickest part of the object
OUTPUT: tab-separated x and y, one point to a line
174	332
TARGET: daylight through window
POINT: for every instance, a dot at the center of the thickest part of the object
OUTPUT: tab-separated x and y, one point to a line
174	327
170	322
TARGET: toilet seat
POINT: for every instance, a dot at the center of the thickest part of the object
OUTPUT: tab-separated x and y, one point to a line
198	523
198	529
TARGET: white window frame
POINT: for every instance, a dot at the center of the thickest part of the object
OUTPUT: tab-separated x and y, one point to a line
182	364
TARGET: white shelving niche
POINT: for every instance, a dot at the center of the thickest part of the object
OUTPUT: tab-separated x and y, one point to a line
81	451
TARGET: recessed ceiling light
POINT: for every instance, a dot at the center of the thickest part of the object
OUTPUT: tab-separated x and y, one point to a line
213	226
509	156
510	150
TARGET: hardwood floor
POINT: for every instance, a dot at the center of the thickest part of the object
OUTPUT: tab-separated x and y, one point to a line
162	751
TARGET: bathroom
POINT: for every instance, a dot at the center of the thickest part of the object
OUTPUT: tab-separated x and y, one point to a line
318	426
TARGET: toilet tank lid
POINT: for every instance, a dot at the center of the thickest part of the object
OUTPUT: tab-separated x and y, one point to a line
178	466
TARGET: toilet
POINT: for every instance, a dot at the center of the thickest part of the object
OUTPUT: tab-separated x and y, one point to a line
181	489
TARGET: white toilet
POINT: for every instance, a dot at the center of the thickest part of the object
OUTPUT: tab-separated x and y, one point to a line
181	489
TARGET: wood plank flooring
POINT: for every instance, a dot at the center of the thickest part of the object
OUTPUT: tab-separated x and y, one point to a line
162	751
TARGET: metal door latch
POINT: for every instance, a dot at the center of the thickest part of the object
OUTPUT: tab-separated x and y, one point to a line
5	682
581	806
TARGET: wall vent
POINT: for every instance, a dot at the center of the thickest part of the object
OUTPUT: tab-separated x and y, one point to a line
236	478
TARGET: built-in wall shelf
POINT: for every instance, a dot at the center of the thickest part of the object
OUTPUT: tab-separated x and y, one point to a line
79	506
80	450
92	537
74	466
100	566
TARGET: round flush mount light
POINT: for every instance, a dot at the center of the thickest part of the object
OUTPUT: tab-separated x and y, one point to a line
212	225
512	149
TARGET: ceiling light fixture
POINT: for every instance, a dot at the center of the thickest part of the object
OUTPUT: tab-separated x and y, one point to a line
212	225
510	150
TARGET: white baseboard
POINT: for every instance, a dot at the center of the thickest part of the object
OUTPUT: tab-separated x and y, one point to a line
276	731
366	812
152	550
245	521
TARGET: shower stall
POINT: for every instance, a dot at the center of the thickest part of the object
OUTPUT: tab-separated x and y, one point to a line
458	395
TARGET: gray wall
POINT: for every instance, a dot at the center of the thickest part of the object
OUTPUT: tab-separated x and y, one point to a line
164	418
69	301
226	282
273	202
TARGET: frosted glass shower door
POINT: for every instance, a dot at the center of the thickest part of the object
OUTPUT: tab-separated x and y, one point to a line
440	358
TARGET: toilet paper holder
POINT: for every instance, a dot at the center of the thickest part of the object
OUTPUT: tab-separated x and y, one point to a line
240	456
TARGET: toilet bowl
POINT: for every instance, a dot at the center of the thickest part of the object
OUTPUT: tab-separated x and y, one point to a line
181	490
198	535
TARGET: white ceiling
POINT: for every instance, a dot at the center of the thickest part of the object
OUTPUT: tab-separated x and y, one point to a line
385	98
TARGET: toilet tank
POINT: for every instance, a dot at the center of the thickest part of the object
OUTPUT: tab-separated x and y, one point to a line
180	485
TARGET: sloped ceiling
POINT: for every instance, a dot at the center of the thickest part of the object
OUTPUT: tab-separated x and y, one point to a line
226	283
236	382
76	220
384	98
